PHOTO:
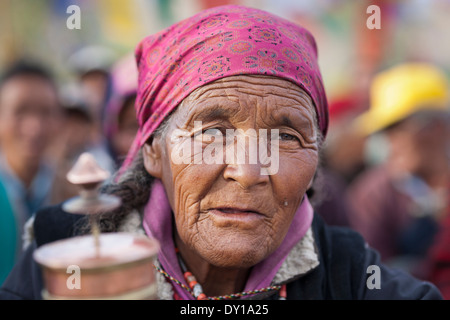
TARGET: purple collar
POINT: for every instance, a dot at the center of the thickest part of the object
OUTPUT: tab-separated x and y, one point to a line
157	224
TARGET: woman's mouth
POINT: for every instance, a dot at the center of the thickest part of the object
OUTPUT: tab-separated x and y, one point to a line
234	210
235	216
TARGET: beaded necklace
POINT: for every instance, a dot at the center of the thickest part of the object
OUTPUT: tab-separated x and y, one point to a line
196	290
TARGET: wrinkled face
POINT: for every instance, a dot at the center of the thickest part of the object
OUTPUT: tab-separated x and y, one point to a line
234	214
29	115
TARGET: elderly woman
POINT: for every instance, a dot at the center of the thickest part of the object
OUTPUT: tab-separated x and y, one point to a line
231	226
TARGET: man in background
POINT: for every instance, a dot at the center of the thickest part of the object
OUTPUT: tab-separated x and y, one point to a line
398	205
29	119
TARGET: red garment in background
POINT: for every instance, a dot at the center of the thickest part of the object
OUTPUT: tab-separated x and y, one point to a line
378	211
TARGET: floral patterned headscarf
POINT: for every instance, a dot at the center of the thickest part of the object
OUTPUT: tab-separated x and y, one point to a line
216	43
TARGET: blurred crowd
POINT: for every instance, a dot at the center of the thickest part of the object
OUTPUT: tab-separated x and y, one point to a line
45	127
385	168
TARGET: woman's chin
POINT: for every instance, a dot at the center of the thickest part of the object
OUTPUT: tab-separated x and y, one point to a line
229	255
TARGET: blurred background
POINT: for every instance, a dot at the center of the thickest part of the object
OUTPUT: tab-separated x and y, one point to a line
94	73
348	50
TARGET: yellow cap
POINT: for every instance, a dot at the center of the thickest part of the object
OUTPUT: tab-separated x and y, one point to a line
401	91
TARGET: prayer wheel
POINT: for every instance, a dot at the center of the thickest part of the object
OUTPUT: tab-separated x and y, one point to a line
99	266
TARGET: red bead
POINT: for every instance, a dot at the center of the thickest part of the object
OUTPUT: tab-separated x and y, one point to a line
202	296
192	284
283	293
188	276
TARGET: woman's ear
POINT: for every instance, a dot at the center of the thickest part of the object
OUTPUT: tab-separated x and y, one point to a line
152	158
311	183
310	190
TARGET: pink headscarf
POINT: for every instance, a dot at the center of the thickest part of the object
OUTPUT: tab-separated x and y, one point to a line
217	43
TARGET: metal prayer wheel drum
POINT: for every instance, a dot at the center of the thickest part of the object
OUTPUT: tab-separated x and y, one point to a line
123	268
98	266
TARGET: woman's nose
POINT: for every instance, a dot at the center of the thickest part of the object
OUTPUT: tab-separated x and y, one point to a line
247	175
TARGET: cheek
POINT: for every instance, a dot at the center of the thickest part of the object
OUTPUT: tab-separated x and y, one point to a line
289	187
186	186
191	185
295	174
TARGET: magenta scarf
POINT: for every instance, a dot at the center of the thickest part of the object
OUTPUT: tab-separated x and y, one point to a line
157	224
216	43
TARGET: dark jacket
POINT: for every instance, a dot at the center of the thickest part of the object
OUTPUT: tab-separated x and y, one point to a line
343	271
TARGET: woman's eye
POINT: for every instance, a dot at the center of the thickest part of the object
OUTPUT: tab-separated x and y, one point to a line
207	134
287	137
212	132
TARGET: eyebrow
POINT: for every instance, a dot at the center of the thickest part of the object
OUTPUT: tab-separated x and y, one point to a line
286	121
302	123
213	113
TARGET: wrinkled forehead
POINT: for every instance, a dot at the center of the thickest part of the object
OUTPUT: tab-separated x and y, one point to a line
243	94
